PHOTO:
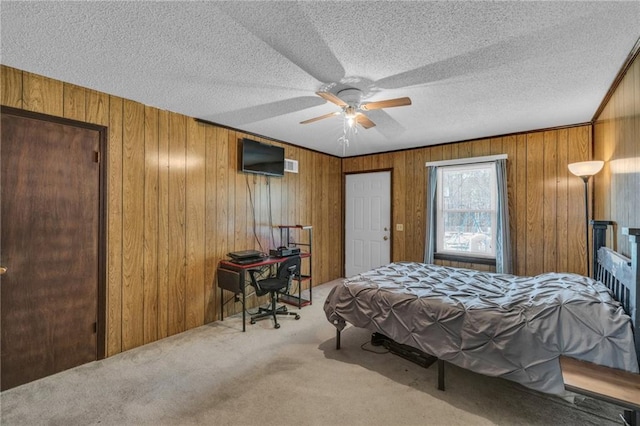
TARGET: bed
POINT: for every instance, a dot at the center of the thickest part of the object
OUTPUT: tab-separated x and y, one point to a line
501	325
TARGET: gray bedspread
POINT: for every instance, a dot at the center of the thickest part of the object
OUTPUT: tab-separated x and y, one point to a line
494	324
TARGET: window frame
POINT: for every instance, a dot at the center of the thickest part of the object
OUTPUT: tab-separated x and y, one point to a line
466	256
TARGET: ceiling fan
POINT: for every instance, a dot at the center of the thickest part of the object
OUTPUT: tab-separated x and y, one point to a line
349	100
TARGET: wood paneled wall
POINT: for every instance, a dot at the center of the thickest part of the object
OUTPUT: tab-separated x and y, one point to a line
545	201
177	204
617	142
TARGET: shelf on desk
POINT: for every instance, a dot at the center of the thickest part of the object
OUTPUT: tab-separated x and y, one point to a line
290	299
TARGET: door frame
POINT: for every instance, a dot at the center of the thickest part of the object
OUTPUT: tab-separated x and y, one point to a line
101	317
344	211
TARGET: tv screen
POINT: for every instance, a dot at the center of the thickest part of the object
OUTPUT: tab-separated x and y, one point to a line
262	158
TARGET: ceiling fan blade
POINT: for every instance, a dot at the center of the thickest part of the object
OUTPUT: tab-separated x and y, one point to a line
389	103
311	120
364	121
332	98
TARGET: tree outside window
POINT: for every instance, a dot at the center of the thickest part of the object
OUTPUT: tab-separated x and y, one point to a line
466	210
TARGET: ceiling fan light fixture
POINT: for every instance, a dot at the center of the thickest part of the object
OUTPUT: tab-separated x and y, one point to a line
350	115
351	121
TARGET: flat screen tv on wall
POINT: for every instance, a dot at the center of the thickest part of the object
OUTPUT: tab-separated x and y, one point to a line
262	158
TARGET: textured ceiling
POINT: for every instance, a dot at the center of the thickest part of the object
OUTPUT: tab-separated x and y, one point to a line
471	69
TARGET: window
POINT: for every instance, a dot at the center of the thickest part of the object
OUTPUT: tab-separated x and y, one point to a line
466	210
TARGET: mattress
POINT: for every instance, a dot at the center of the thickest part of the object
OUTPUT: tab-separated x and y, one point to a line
494	324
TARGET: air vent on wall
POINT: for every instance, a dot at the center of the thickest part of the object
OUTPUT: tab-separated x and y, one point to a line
290	166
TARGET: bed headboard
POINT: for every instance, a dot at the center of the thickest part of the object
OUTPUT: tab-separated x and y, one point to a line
622	276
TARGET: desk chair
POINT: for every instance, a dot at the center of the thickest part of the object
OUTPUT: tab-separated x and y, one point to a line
274	285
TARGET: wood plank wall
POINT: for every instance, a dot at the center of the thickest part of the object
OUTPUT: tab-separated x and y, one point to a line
545	201
617	142
177	204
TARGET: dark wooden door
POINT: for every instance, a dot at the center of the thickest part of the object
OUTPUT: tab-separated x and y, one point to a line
49	243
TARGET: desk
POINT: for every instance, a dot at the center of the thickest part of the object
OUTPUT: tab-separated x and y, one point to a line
231	277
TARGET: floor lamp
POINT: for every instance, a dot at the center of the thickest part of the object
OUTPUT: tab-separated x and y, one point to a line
584	170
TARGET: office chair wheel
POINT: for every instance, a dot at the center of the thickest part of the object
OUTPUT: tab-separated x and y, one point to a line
253	321
297	317
276	326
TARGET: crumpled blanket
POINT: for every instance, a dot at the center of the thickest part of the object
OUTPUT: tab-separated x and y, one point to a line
494	324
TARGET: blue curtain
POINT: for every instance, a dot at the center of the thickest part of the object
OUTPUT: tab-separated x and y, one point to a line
503	243
430	241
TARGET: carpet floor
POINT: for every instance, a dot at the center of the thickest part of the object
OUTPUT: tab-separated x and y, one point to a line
218	375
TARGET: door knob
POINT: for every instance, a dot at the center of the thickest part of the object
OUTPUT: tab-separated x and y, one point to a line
2	270
385	238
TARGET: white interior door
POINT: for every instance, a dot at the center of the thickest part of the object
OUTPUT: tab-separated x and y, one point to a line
367	221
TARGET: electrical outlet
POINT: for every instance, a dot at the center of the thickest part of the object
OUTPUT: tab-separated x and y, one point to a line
399	227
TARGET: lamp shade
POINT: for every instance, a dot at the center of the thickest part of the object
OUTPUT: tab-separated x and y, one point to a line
586	168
